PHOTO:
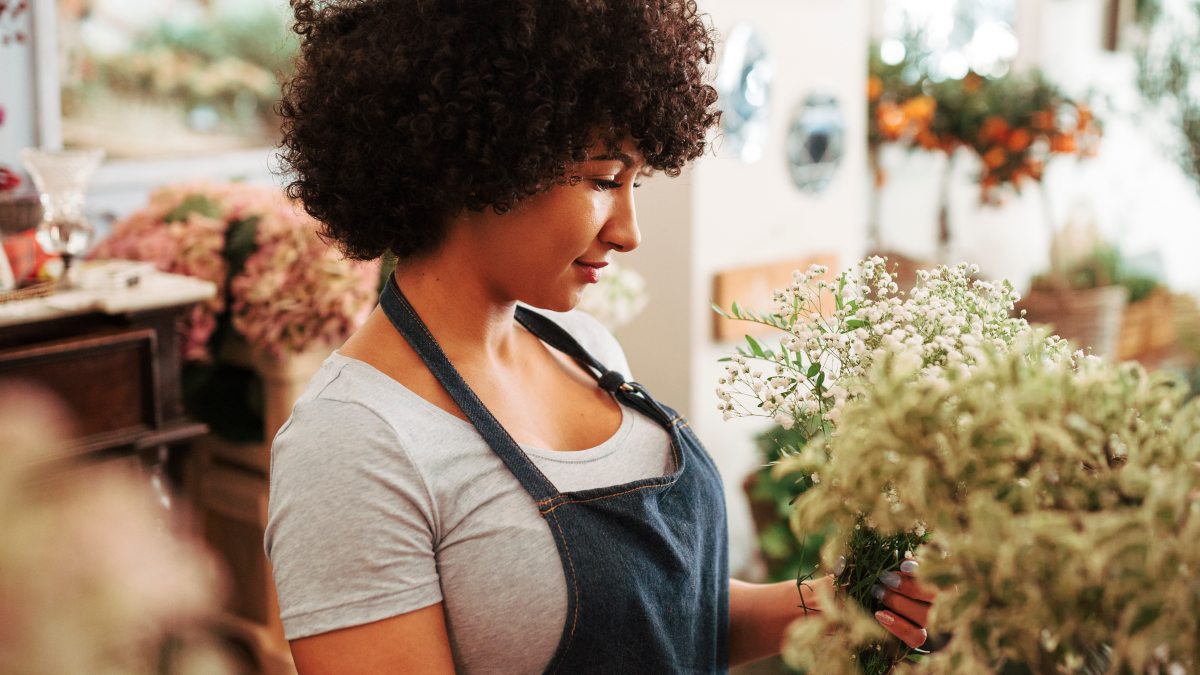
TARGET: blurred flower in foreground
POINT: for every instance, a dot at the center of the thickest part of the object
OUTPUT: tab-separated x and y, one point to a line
617	299
92	578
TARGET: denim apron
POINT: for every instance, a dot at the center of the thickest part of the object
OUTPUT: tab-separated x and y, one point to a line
646	563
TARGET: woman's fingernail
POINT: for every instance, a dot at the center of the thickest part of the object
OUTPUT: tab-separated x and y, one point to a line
909	566
885	618
877	591
890	579
840	565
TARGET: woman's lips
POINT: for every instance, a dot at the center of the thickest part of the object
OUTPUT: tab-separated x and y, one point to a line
590	271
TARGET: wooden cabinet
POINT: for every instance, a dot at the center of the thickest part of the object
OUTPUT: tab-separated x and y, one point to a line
114	360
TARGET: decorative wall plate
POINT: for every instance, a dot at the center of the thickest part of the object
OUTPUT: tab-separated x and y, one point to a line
816	142
744	84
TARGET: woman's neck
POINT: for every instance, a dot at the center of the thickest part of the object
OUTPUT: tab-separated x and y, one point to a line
460	309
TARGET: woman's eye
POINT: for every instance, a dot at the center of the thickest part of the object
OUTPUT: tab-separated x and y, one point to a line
605	184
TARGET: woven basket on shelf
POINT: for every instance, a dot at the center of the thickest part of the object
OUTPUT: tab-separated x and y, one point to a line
1090	318
32	291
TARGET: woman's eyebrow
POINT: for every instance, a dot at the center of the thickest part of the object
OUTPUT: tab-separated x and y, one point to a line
617	156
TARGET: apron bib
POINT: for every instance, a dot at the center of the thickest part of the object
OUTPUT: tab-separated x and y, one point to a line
646	563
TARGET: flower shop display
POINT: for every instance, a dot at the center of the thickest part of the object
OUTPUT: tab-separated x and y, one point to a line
1013	125
617	298
1099	303
823	363
1062	501
205	75
281	289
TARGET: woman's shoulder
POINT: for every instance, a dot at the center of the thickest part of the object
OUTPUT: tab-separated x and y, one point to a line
349	407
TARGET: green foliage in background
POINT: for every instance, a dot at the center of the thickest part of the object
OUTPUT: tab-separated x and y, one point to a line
1168	56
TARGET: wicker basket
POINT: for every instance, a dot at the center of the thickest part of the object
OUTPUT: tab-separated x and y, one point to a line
28	292
1090	318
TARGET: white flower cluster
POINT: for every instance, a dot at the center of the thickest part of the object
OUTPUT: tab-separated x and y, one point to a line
617	299
939	327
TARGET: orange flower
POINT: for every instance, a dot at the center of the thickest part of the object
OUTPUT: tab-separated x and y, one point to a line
1042	120
874	88
891	120
1035	168
1019	140
927	139
994	130
995	158
1085	117
920	108
1063	143
972	82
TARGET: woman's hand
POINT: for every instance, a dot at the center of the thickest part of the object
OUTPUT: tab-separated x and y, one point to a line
907	602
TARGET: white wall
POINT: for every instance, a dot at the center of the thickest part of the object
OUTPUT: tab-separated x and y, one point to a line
725	213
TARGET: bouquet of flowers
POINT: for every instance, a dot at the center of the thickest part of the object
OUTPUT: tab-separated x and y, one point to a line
1062	500
941	330
281	287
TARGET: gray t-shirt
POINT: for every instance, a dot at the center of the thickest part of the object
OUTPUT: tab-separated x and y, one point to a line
382	503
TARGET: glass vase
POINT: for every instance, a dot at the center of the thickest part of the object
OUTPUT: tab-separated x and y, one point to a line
61	178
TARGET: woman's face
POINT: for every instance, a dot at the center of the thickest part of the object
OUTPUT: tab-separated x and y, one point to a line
549	247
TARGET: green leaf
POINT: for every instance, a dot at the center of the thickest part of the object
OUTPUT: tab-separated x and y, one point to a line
720	312
737	311
813	370
1145	616
853	324
755	348
193	204
240	243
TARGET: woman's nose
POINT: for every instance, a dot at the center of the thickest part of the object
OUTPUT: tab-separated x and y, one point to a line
621	232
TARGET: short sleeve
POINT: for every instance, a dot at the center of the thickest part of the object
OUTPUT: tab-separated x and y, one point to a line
351	526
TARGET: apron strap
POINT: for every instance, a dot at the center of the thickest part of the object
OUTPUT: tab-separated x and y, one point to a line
628	392
402	315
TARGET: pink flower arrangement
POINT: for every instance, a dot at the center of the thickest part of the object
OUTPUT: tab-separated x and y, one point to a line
283	287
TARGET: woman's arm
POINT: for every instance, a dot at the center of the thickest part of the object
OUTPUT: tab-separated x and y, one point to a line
759	614
415	642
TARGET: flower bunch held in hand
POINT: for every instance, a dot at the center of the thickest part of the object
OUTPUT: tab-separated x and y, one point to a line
1061	495
833	335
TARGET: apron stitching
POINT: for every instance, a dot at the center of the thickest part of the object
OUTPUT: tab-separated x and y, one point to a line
575	586
616	494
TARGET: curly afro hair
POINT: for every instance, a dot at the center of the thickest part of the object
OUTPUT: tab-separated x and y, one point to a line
403	113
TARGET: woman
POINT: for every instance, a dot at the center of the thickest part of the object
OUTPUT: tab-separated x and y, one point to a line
470	484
